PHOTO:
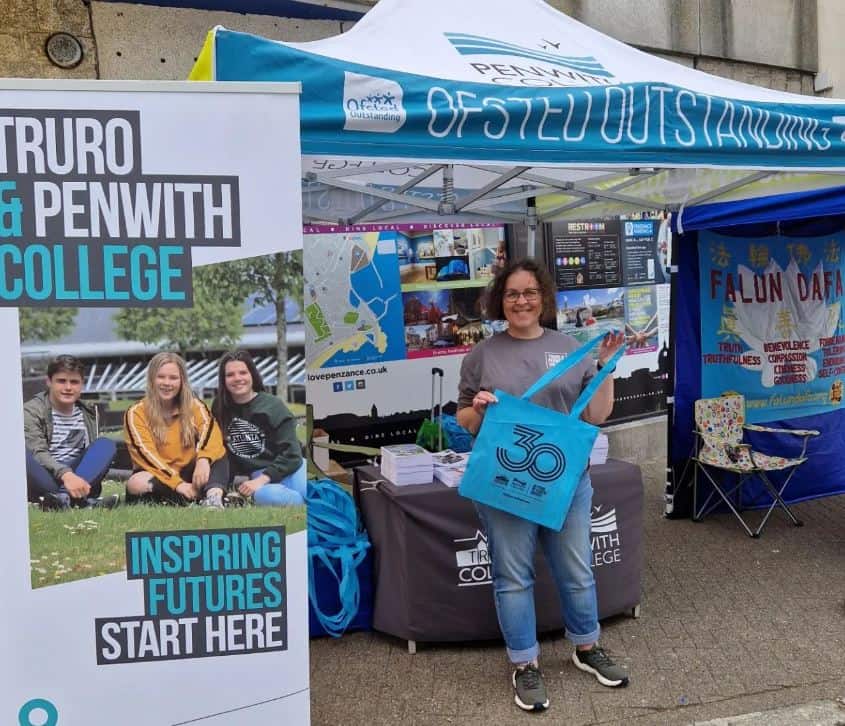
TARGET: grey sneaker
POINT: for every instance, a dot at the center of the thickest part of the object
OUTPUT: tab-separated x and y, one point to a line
55	501
108	502
529	689
599	663
234	499
214	501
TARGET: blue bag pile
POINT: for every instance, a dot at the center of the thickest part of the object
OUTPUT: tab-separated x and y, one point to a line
340	588
460	440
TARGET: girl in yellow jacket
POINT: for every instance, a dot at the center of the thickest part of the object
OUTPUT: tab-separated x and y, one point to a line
176	447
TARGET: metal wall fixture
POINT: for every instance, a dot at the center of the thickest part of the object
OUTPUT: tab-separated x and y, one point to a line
64	50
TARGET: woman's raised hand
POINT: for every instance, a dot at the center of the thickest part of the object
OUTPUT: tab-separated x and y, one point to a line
611	343
481	400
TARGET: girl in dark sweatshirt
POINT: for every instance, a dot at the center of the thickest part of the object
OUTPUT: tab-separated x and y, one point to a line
260	435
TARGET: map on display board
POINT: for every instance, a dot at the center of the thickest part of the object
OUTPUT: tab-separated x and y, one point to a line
771	322
386	308
352	303
612	275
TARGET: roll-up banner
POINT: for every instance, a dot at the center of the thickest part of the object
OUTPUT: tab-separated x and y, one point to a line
123	195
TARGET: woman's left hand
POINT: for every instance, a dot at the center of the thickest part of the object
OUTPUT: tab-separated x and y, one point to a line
611	343
202	469
250	486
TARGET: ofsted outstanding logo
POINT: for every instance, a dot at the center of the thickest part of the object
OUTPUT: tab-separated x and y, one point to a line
372	104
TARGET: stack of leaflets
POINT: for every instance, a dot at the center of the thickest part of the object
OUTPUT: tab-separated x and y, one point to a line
599	453
449	467
405	464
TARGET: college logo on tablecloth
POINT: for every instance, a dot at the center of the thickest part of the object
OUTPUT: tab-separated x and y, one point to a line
605	538
473	560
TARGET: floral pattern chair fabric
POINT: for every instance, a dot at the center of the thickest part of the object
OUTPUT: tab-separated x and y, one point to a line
720	425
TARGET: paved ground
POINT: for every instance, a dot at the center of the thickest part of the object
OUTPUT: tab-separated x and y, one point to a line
729	626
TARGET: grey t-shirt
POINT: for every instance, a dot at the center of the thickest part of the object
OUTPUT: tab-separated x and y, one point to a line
70	437
513	364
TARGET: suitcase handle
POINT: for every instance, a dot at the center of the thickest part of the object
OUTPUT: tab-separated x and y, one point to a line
437	372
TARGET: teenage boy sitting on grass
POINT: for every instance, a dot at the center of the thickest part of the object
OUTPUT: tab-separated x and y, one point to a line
65	459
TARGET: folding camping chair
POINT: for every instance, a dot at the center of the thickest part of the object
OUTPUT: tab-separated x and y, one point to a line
719	426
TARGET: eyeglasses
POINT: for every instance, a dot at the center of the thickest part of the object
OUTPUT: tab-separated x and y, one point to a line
529	293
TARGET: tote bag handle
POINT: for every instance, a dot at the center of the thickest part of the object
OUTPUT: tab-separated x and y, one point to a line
571	361
561	367
342	562
597	380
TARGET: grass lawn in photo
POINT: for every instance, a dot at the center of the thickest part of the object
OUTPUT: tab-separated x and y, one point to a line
76	544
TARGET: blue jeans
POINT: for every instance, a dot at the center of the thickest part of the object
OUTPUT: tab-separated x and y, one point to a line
92	466
512	542
288	492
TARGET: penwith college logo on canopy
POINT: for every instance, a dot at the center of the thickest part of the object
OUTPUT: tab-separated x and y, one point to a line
544	66
372	104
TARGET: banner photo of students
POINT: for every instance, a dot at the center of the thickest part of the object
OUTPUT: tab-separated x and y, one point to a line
128	196
771	323
384	305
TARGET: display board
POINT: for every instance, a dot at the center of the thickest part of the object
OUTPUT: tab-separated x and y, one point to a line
111	194
385	306
771	323
612	275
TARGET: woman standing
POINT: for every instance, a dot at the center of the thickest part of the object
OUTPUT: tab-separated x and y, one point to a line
260	435
523	294
175	444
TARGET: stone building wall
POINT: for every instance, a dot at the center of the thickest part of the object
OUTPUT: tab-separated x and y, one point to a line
26	25
772	43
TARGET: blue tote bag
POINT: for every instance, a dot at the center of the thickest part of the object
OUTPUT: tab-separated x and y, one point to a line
527	459
336	549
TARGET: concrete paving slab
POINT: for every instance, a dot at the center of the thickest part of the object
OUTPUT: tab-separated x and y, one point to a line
819	713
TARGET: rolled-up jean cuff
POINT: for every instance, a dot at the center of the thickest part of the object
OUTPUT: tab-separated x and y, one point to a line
524	656
587	639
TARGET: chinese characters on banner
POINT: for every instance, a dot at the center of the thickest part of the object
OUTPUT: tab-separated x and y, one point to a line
771	323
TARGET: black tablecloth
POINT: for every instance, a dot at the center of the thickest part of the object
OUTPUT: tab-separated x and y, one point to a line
432	577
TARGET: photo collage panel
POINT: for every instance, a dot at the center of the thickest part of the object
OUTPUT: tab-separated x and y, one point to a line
450	258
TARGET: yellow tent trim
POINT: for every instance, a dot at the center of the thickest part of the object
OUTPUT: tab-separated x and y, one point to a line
203	69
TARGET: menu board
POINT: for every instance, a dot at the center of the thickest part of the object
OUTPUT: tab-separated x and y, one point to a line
587	254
